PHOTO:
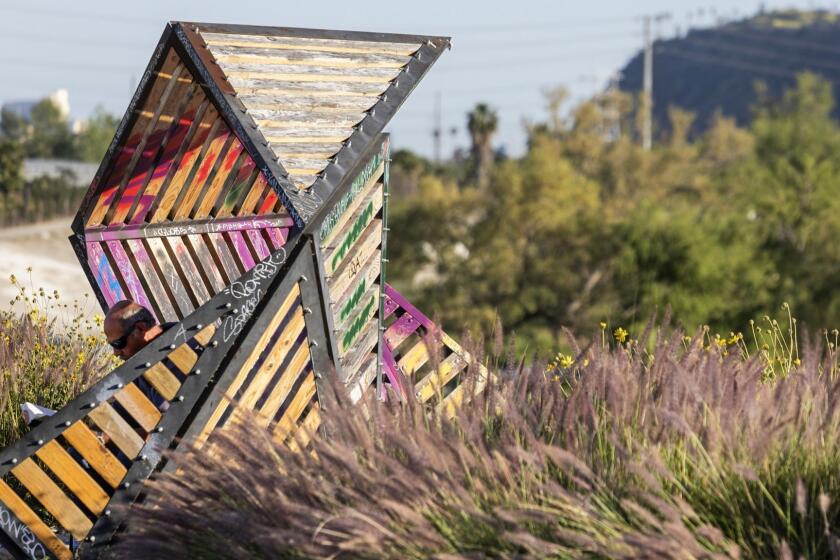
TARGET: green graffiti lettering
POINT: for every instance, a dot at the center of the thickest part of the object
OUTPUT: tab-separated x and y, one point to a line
354	299
359	182
357	325
352	236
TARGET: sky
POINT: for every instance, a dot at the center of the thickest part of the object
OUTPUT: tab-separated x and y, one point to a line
506	54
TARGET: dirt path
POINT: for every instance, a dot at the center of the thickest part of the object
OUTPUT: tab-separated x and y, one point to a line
45	248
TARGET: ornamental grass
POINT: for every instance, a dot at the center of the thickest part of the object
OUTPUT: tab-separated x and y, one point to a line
660	446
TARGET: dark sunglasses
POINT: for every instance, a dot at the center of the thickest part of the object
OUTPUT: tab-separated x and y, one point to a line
122	342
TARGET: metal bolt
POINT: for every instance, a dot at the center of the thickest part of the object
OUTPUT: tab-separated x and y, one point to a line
386	195
67	422
107	513
159	429
172	347
181	398
215	343
199	326
303	278
396	83
120	385
92	538
385	260
235	310
14	461
313	343
318	375
307	310
126	484
197	372
147	364
40	442
386	229
349	143
228	305
144	457
93	404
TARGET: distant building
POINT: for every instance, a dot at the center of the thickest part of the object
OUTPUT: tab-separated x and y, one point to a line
82	172
60	97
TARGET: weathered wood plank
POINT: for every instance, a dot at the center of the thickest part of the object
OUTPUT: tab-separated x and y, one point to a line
129	275
414	359
269	67
280	76
280	392
400	330
170	274
257	86
223	172
219	245
155	290
364	343
123	435
245	178
244	55
254	196
311	44
167	191
370	240
281	149
163	380
208	267
184	357
135	403
97	455
103	272
241	250
164	81
451	366
74	477
287	424
364	193
34	523
194	282
52	498
293	298
308	427
357	271
351	236
258	243
217	139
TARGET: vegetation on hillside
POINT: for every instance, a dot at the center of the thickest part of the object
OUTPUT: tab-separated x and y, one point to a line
588	227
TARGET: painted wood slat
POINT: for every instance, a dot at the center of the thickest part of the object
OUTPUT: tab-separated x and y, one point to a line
288	423
268	202
112	424
364	378
396	379
451	366
129	275
278	237
204	336
451	401
164	80
308	427
138	406
163	380
173	144
370	241
208	268
218	139
154	286
254	195
358	271
208	199
280	76
73	476
193	280
336	111
365	343
241	250
169	273
240	55
347	240
400	330
293	298
259	86
366	310
258	243
52	498
104	274
242	184
349	309
397	298
219	245
34	523
181	154
363	194
414	359
273	361
312	44
280	392
237	66
184	358
95	453
139	172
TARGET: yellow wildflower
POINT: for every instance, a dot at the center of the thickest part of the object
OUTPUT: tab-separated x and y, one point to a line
620	334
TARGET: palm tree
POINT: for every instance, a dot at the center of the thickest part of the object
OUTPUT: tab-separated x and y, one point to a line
482	122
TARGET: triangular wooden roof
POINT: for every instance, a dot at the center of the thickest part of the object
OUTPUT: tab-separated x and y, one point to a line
298	106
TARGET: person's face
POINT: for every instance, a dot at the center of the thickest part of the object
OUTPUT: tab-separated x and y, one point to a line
129	341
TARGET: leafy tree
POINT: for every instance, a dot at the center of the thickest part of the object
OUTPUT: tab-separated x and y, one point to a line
50	135
93	141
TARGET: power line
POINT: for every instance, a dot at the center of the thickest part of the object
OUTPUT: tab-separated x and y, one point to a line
74	41
520	62
82	15
752	51
545	24
81	66
767	70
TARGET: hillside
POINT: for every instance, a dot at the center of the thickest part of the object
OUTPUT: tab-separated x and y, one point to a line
717	68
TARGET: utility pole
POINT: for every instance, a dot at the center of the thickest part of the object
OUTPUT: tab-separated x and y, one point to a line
647	80
437	131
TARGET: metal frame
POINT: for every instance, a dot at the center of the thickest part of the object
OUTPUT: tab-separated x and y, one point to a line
382	276
300	267
224	304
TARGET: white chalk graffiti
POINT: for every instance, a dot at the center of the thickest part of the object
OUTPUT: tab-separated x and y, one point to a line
248	293
22	535
170	231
